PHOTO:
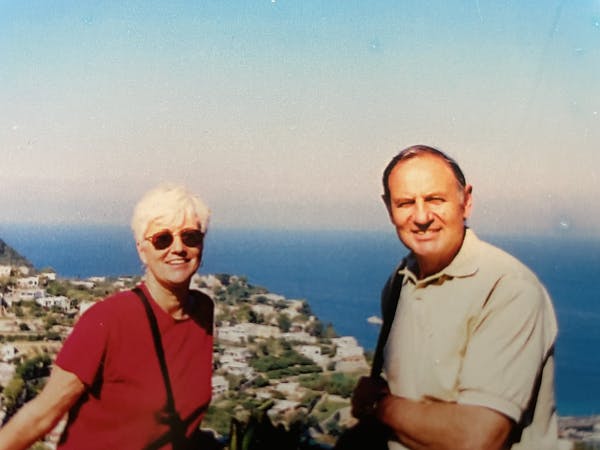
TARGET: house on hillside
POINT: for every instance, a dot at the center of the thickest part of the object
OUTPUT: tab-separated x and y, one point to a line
27	295
59	301
7	372
220	385
28	282
48	276
349	356
239	333
5	271
8	352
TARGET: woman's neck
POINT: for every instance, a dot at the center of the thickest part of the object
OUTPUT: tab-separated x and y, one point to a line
170	299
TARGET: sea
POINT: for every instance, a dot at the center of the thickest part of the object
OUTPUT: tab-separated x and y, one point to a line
340	275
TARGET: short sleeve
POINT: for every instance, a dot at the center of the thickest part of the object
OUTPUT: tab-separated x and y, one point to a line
83	351
510	340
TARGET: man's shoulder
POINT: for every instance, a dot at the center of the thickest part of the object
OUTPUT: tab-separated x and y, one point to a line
493	258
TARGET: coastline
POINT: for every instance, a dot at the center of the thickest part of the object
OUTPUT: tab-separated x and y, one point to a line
341	274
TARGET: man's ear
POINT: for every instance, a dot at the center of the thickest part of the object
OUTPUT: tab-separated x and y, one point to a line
386	201
468	201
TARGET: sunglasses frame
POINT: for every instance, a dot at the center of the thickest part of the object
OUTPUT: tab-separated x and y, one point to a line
185	235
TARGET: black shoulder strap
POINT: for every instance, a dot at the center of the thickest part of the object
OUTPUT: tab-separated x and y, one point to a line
160	353
391	296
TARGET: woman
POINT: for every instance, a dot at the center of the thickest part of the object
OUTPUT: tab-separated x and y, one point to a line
108	374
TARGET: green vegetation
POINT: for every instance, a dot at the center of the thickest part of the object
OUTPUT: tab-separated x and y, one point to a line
288	363
259	433
242	408
587	446
27	382
333	383
325	409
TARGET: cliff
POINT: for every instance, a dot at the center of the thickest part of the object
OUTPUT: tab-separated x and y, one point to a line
10	257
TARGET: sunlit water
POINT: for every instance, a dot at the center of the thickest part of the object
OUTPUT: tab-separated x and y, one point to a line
341	274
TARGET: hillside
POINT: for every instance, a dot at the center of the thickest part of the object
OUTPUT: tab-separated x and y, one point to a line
10	257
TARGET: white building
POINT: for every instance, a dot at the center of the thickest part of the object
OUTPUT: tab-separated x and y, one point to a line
235	354
97	279
84	306
29	294
299	336
220	385
50	276
237	368
7	371
209	281
5	271
8	352
290	389
28	282
83	283
242	331
59	301
349	356
347	347
313	352
265	310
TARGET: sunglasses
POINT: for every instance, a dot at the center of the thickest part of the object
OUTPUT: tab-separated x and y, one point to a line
163	239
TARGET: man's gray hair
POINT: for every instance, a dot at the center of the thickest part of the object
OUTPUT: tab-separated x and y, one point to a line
418	150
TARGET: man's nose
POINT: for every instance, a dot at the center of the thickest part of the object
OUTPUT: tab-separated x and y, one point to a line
422	213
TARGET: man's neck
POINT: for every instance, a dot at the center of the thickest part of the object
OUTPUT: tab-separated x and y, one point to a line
428	266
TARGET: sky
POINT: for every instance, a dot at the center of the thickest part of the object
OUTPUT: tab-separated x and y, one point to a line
282	114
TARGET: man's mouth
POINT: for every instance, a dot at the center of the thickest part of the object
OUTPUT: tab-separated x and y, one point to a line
427	232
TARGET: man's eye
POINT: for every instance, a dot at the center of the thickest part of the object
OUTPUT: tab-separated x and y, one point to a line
436	200
403	204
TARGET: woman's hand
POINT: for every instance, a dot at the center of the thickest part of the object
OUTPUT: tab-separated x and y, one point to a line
36	418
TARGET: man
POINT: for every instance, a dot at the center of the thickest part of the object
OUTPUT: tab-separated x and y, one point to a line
469	358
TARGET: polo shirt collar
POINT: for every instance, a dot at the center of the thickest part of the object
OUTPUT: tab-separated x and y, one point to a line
463	265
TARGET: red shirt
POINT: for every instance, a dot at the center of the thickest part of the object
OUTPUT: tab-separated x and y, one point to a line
111	350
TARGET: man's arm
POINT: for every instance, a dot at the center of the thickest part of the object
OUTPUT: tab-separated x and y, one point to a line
442	425
36	418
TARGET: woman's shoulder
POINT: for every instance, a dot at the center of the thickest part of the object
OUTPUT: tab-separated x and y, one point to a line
202	308
117	302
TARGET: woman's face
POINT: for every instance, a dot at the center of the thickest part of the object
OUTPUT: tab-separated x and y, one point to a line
172	264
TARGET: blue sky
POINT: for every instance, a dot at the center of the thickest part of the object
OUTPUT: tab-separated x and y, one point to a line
282	114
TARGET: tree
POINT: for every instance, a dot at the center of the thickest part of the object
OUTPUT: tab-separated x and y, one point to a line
56	288
329	331
36	367
284	322
13	396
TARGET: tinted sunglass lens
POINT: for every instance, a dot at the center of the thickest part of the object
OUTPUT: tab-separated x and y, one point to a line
192	238
162	240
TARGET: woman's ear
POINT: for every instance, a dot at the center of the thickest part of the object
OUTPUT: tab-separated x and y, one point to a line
141	252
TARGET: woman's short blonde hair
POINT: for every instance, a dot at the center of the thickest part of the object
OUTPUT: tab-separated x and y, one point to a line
169	203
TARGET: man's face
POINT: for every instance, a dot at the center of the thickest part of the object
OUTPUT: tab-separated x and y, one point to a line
428	210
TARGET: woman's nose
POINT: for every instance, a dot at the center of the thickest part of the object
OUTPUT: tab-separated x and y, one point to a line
177	245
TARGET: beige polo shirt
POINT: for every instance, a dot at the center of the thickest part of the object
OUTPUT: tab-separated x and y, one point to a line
480	332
